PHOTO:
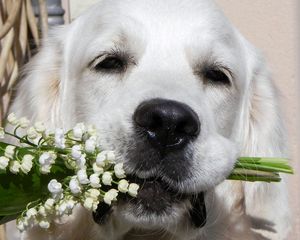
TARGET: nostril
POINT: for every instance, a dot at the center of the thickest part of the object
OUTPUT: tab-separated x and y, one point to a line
146	118
190	127
167	123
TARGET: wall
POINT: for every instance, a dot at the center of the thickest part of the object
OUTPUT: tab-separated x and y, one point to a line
272	26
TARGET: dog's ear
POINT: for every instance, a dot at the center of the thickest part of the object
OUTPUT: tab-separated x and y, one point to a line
262	135
261	127
39	90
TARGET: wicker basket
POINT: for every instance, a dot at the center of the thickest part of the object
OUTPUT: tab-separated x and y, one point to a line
19	31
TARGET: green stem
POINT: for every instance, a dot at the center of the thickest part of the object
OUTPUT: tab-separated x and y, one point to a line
253	178
20	139
267	168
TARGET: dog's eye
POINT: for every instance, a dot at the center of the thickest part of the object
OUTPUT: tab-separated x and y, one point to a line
217	76
110	64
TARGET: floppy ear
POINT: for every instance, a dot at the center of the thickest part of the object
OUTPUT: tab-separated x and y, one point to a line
263	135
261	127
39	90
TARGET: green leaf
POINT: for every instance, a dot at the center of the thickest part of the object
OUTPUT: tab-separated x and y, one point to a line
18	190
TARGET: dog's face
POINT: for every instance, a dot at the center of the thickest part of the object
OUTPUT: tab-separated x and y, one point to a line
178	93
162	81
163	91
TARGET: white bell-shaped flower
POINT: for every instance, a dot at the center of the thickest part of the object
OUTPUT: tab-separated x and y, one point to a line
60	138
82	176
44	223
119	171
95	180
90	145
133	189
107	178
3	162
78	131
9	151
12	119
110	196
26	164
40	127
123	186
23	122
14	167
74	185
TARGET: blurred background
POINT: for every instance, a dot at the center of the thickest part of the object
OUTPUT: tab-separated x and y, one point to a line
271	25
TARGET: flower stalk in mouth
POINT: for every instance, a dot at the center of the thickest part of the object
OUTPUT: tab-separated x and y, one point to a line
46	174
260	169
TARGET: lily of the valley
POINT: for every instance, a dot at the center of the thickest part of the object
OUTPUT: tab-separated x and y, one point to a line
32	133
78	131
60	138
14	167
107	178
123	186
12	119
133	189
74	185
90	145
110	196
23	122
26	164
95	180
3	162
82	176
119	171
9	151
55	188
78	148
46	160
40	127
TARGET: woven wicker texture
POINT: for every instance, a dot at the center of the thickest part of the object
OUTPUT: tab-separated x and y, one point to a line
19	31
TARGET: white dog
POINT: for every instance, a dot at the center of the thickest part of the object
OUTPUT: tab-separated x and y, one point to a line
179	94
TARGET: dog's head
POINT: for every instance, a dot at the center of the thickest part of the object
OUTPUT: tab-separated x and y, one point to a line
172	88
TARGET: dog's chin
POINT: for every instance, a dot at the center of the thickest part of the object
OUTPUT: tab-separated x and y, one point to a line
156	205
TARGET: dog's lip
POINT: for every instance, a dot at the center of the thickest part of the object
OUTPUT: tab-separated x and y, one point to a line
156	196
157	180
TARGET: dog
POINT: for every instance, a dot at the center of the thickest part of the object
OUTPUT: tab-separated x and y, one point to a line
178	93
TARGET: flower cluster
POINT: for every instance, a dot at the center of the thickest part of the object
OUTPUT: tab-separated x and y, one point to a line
15	166
88	170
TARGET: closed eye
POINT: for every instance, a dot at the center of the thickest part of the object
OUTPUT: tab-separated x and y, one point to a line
110	63
115	62
216	75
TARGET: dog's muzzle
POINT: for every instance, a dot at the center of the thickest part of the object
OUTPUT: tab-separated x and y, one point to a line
163	130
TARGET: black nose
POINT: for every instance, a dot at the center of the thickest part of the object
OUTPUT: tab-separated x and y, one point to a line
168	124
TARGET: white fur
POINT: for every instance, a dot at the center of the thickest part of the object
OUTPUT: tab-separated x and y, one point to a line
168	39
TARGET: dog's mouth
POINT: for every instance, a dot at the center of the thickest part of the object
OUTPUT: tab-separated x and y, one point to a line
156	197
